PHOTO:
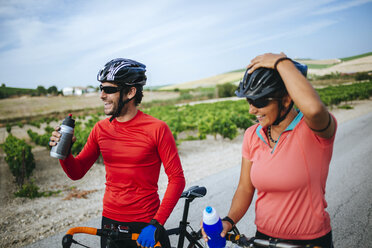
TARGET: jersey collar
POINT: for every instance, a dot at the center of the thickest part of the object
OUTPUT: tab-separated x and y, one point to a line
290	127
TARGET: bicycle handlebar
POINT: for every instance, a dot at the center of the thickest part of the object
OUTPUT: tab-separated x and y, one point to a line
243	241
81	229
108	233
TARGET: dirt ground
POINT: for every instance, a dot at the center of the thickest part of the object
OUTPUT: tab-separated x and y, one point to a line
352	66
82	200
32	106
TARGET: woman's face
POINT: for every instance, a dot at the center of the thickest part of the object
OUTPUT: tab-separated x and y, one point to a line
266	115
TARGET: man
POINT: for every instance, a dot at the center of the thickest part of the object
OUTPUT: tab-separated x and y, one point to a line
133	146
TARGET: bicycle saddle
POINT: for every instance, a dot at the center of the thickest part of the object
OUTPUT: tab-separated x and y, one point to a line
194	192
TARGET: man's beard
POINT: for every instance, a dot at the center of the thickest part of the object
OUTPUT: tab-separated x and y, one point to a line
115	107
111	111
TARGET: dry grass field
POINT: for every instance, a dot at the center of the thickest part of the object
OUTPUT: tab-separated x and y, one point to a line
208	82
351	66
12	108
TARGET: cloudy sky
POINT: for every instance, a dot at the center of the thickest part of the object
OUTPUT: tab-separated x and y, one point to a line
66	42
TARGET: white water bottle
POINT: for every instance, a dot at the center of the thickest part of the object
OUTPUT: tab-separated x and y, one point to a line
62	149
212	226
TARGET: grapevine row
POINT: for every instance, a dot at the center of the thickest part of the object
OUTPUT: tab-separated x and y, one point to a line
223	118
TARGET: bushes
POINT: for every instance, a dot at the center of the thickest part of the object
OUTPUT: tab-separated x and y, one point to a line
6	92
82	134
21	164
359	76
19	158
226	90
225	127
31	190
37	123
8	128
333	95
222	118
41	140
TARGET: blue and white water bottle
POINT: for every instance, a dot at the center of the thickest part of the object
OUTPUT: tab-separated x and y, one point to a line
212	225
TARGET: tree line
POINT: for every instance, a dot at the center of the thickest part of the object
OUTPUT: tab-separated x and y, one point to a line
40	90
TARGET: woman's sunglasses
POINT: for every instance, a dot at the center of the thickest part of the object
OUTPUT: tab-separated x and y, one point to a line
261	102
109	89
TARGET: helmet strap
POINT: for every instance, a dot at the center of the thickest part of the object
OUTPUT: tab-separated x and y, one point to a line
121	105
281	118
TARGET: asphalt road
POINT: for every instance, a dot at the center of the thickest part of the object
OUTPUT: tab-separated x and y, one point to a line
349	193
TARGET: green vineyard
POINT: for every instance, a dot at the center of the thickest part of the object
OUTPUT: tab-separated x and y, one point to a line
334	95
223	118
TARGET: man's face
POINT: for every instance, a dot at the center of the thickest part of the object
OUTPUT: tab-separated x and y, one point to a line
110	101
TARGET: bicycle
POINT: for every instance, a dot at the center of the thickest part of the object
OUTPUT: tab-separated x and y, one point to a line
118	232
194	237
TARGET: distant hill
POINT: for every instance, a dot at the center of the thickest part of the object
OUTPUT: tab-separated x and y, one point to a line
229	77
360	63
357	63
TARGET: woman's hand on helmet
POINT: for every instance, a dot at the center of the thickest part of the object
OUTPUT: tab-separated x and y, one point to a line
53	140
266	60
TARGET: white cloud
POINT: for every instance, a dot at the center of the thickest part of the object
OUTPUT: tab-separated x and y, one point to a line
338	6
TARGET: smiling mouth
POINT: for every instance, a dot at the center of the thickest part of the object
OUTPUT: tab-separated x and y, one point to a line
107	106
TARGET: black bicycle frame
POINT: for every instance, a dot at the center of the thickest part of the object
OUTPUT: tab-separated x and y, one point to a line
181	229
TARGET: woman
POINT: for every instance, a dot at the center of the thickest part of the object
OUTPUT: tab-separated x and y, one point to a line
286	155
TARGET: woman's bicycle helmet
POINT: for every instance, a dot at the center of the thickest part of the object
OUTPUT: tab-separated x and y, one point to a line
264	82
123	72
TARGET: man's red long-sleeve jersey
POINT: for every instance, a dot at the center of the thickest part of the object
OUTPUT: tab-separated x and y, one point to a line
132	152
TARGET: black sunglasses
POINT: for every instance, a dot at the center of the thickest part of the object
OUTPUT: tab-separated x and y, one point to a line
109	89
261	102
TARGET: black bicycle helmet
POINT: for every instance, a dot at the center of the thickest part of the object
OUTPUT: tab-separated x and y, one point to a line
260	83
263	82
123	71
